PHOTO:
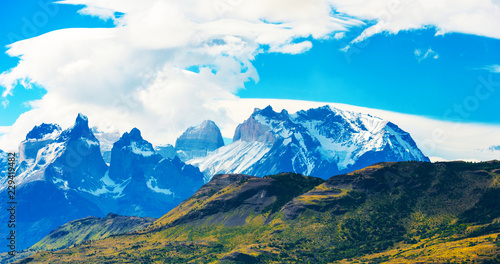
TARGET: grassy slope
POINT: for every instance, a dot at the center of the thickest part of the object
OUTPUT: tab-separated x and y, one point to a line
395	212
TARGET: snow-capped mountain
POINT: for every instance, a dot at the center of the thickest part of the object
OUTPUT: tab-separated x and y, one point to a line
131	155
198	141
62	176
320	142
54	166
148	184
69	159
38	138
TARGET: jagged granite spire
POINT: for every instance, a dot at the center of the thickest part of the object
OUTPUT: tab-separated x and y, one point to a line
131	155
80	129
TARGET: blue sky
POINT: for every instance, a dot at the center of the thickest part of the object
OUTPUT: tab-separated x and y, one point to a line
386	74
126	63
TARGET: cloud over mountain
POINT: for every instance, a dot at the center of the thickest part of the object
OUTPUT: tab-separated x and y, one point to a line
164	62
168	64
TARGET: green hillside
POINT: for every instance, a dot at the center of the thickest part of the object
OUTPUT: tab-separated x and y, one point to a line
390	212
91	228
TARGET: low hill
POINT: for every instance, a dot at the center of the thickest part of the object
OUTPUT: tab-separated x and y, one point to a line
80	231
91	228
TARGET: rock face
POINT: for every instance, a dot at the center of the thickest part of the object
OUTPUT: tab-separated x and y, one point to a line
62	176
144	183
131	155
199	141
253	131
37	138
320	142
80	162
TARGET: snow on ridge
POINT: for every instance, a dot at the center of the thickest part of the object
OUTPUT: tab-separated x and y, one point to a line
368	135
49	136
409	151
108	187
97	192
233	158
91	142
141	150
50	152
64	184
373	137
157	189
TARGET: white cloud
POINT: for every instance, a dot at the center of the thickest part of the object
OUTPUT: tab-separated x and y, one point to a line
294	48
102	13
422	55
480	17
134	74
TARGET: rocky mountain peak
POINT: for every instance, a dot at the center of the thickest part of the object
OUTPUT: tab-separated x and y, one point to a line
41	131
268	112
79	130
253	131
135	134
198	141
134	142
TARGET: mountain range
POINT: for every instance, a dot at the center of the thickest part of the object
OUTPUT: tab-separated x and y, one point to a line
404	212
318	142
64	175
